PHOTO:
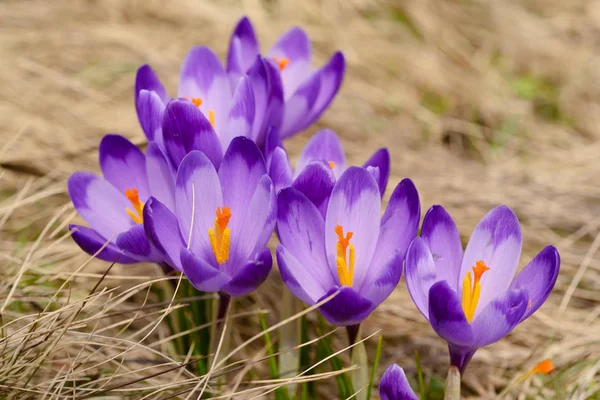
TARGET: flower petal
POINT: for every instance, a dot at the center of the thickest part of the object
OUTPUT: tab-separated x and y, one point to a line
150	109
316	182
384	279
202	276
197	197
100	204
323	146
297	108
91	242
496	241
301	232
161	175
395	386
420	274
346	308
241	115
162	229
280	170
355	204
293	45
440	234
186	129
380	160
243	49
146	79
250	276
447	316
299	279
499	317
123	165
538	278
135	242
203	76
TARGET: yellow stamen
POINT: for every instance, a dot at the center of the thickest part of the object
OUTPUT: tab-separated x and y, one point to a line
472	290
211	117
345	265
282	62
220	235
137	214
331	164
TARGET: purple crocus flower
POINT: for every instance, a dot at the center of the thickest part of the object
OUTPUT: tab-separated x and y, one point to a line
471	299
218	232
395	386
321	163
247	107
351	249
307	92
113	205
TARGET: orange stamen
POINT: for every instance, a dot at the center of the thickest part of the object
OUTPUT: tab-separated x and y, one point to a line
220	235
345	257
478	270
223	216
472	290
282	62
544	367
137	214
197	101
331	164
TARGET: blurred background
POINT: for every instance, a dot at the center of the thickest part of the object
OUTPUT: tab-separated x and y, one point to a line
480	103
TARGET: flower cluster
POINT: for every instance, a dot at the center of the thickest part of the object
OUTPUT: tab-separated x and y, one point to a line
216	182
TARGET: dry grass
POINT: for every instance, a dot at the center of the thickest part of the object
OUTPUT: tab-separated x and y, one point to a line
479	102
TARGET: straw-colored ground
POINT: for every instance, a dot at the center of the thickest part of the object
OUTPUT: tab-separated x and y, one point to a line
480	103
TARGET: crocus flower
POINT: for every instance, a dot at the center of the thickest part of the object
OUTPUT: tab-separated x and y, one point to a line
395	386
247	107
471	299
352	249
218	231
113	206
307	92
321	163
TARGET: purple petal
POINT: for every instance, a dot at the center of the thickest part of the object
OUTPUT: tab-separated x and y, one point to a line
301	232
295	46
380	160
440	234
346	308
197	197
91	242
146	79
276	104
251	276
203	76
150	110
383	280
316	182
461	356
297	108
280	170
323	146
447	316
420	274
399	226
299	279
241	115
161	175
272	142
538	278
186	129
162	229
135	242
243	49
499	317
123	165
202	275
100	204
395	386
497	242
355	205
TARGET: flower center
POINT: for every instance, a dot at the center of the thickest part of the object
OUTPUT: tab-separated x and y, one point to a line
220	235
472	289
197	101
331	164
282	62
345	265
137	214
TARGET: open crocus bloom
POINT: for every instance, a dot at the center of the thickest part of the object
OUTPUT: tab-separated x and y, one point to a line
321	163
218	232
471	299
307	92
247	107
351	249
395	386
113	206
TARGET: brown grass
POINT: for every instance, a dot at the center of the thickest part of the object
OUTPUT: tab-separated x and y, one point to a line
480	103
